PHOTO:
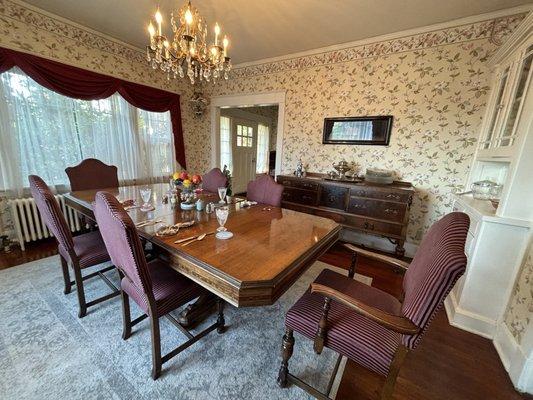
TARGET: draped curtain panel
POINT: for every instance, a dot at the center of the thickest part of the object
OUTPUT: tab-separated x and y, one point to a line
86	85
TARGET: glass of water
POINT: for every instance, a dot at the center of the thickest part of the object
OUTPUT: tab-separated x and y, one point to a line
222	216
146	194
222	194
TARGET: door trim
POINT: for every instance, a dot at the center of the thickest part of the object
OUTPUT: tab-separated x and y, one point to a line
239	100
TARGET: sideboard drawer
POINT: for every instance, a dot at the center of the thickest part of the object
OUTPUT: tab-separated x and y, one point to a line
299	184
375	193
371	225
333	197
386	210
300	196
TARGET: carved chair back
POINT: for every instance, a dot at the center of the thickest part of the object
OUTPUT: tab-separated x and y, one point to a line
438	263
92	174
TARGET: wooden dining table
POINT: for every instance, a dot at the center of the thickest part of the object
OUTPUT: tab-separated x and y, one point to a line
270	248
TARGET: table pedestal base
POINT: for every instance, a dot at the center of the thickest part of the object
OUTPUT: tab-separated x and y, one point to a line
198	311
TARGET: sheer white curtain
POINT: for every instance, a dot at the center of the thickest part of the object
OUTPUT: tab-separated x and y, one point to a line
263	137
226	148
42	132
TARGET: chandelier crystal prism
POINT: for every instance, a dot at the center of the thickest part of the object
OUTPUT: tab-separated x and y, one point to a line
188	53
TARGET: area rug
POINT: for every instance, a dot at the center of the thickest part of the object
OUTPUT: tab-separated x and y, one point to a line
47	352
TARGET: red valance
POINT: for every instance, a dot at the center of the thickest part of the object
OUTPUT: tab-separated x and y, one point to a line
87	85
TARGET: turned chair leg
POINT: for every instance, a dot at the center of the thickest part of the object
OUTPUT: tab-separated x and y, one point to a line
388	388
286	353
220	320
353	264
126	315
156	347
66	275
80	290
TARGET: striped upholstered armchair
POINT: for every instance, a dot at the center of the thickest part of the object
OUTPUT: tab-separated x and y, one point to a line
369	326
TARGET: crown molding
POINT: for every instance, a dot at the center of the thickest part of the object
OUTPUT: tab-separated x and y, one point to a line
393	36
520	34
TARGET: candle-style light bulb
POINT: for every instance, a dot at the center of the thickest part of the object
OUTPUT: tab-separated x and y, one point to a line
159	20
225	42
217	32
151	30
188	17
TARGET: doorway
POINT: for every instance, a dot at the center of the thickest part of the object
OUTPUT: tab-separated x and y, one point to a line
247	138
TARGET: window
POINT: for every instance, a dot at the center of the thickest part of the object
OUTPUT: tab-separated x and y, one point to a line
263	136
47	132
225	143
245	136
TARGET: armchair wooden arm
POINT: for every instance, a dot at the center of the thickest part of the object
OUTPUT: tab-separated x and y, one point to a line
394	322
402	265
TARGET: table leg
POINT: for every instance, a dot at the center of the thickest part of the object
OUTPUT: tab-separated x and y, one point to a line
198	311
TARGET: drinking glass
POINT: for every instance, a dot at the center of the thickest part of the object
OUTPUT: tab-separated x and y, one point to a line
222	194
222	217
146	194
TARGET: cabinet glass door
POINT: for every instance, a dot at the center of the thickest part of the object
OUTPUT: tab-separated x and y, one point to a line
496	111
508	134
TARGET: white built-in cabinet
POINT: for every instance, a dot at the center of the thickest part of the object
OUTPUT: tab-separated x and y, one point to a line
498	238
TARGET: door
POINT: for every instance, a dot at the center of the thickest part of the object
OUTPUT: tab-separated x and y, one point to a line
244	153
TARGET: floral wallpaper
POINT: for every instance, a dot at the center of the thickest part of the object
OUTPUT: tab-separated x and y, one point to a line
436	94
520	309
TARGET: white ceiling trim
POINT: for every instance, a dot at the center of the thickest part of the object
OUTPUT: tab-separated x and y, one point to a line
396	35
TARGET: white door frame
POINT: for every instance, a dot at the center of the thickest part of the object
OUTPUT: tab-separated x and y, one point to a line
239	100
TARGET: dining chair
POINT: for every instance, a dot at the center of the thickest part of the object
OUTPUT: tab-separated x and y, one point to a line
154	286
92	174
372	327
213	180
265	190
80	252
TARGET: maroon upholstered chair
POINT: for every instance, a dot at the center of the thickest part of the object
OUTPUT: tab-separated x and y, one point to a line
154	286
213	180
92	174
265	190
82	251
369	326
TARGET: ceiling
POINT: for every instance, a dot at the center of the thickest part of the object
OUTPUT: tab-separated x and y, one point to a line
261	29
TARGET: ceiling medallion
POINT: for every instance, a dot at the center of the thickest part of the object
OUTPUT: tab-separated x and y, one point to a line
188	53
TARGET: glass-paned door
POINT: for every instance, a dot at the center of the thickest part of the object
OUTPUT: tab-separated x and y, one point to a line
244	153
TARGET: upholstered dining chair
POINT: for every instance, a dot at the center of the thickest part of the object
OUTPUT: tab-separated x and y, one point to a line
369	326
92	174
154	286
265	190
213	180
81	252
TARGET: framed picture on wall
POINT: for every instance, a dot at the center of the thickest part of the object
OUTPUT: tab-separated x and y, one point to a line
374	130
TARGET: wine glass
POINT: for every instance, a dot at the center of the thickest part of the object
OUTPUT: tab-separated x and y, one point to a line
222	194
222	216
146	194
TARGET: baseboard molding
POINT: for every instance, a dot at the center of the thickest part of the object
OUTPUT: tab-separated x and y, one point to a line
467	320
517	365
376	242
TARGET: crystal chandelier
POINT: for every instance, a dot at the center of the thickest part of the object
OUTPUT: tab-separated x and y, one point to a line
188	53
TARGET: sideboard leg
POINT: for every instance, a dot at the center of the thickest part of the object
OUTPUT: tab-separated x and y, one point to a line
400	250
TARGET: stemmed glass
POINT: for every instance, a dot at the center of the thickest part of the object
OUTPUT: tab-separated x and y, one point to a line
222	194
222	216
146	194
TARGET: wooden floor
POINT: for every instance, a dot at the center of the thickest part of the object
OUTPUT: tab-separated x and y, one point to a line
448	364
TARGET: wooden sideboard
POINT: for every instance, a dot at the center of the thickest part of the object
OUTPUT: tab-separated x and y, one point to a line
381	210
